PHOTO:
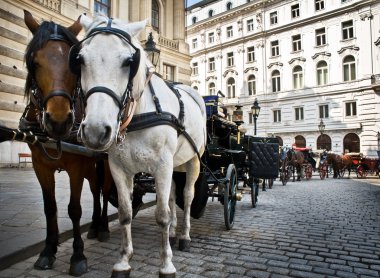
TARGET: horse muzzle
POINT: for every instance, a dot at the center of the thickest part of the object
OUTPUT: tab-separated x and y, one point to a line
95	136
58	129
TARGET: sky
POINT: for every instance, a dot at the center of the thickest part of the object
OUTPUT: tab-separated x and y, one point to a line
191	2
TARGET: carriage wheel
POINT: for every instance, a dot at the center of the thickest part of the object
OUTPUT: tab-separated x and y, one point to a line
254	192
323	172
308	171
230	189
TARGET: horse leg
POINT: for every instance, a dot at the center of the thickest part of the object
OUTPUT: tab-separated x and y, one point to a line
173	215
192	173
78	261
45	177
103	231
162	213
124	185
299	172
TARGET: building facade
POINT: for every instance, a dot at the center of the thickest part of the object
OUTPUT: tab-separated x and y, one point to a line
303	60
166	23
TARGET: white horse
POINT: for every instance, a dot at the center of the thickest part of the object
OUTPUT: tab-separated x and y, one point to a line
115	75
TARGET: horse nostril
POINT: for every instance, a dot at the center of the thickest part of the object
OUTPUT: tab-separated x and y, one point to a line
107	133
47	115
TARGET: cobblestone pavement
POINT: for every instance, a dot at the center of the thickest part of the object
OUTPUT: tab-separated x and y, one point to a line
328	228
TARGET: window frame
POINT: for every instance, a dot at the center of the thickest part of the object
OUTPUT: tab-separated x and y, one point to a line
250	54
273	18
296	43
351	110
250	25
229	31
194	43
195	68
349	66
322	73
277	116
102	5
319	5
211	37
211	90
295	10
155	15
276	81
167	73
251	84
323	110
348	31
275	48
297	78
230	59
320	37
231	88
211	64
299	114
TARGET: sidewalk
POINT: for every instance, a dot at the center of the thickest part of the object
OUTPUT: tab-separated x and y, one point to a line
22	218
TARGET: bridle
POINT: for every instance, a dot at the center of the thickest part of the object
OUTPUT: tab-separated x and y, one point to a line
126	98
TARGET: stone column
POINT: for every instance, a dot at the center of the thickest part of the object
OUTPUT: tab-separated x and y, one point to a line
179	20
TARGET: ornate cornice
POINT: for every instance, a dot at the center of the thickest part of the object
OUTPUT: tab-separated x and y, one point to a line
324	53
275	64
301	59
377	42
211	77
351	47
250	68
230	71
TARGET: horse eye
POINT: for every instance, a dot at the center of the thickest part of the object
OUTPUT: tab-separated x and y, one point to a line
127	62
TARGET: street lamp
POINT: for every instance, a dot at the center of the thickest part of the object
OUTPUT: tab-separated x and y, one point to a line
321	127
237	118
255	110
152	51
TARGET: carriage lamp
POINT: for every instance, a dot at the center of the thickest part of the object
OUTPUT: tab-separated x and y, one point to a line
152	51
321	127
255	110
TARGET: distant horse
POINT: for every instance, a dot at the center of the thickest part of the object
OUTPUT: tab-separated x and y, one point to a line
296	159
339	163
51	90
167	128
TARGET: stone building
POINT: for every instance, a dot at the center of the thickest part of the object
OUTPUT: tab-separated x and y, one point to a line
304	61
166	22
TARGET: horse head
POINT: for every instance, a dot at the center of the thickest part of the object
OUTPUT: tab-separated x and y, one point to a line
50	84
113	73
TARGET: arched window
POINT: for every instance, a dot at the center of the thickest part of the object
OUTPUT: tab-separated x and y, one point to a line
229	6
155	15
297	77
211	89
322	73
194	19
210	13
349	68
231	88
251	85
324	142
351	143
276	81
300	141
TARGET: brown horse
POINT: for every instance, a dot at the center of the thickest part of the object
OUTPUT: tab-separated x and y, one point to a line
296	160
52	90
340	163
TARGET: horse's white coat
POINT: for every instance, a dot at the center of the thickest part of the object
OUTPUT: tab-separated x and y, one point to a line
156	150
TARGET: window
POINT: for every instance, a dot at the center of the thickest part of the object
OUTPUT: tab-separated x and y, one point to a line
168	72
273	18
347	30
351	109
195	43
230	59
297	77
295	10
320	36
298	113
231	88
319	5
211	89
229	6
211	37
250	25
102	6
230	32
296	43
194	19
324	142
211	64
276	81
323	111
195	69
210	13
275	48
300	141
155	15
322	73
251	54
349	68
277	116
251	85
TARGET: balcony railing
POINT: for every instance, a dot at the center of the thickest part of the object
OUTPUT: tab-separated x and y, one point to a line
168	43
54	5
375	82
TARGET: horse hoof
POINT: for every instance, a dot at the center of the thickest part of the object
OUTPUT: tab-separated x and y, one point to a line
121	274
167	275
44	263
184	245
103	236
78	268
92	233
172	240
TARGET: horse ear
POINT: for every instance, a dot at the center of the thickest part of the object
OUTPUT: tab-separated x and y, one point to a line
75	27
85	21
135	27
30	22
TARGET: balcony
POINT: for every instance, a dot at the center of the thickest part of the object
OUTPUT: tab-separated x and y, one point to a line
375	83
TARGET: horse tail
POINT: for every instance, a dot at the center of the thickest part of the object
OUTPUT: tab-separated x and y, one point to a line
99	166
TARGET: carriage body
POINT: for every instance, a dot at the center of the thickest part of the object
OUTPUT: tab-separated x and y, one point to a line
309	163
363	165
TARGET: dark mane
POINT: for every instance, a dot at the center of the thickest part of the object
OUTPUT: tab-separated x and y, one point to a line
38	41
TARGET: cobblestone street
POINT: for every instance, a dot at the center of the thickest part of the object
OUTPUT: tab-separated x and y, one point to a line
315	228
